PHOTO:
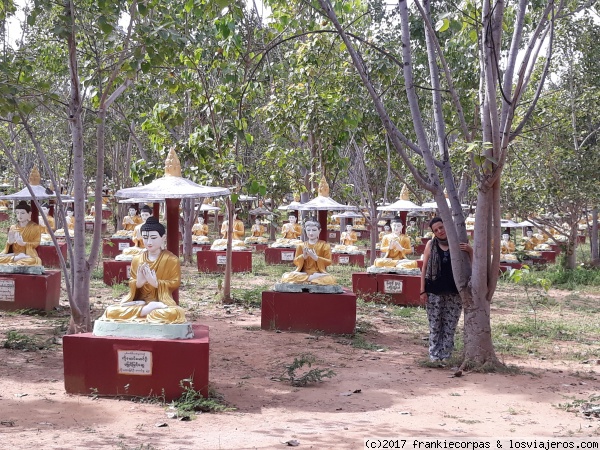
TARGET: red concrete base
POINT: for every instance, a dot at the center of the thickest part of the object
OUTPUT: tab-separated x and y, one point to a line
425	240
333	236
19	291
549	256
507	266
345	259
195	248
304	312
111	247
4	216
49	254
581	238
420	249
399	289
279	255
213	261
116	272
556	248
97	364
106	213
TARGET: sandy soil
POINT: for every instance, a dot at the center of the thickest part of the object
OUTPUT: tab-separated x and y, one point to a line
374	393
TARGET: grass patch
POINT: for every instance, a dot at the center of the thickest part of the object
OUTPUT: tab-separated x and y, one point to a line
19	341
192	401
249	298
307	377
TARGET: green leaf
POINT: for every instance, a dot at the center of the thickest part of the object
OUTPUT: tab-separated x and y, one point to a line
442	25
234	198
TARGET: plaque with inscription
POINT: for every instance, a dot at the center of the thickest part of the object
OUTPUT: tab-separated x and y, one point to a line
134	362
344	259
89	225
196	249
287	256
7	290
332	235
392	286
123	245
221	260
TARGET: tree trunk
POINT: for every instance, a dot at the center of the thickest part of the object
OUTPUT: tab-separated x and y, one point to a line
594	238
226	298
80	311
570	251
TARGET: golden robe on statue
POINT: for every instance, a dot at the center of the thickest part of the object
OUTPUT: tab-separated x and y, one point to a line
43	225
291	230
32	234
393	255
258	230
238	229
137	220
200	229
307	267
348	238
168	274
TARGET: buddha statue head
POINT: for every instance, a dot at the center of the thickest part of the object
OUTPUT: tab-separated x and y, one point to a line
23	213
153	234
45	209
292	219
257	221
145	212
312	228
505	237
70	211
397	227
349	228
132	211
529	232
201	220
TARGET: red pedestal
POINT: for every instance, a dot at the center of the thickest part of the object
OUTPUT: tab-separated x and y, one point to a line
581	238
116	272
96	364
214	261
555	248
277	255
49	254
111	247
4	216
400	289
333	236
106	213
195	248
89	227
420	249
425	240
346	259
305	312
549	256
30	291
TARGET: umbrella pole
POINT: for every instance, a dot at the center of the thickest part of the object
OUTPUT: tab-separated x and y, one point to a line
172	213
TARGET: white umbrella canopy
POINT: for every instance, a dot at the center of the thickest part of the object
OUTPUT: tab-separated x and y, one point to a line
347	215
39	191
142	200
292	206
507	223
205	207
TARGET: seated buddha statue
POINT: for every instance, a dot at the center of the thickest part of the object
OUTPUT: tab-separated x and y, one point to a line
238	229
131	220
138	241
348	237
200	228
386	230
529	240
258	229
311	260
22	240
51	222
506	245
292	229
395	246
155	274
70	218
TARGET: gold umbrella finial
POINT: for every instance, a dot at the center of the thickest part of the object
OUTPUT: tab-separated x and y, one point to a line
296	197
34	177
404	193
323	187
172	164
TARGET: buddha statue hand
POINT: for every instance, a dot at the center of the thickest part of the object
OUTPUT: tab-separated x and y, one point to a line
148	274
20	256
11	237
151	307
310	253
19	239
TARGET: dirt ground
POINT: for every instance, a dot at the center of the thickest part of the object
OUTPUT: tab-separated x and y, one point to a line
387	393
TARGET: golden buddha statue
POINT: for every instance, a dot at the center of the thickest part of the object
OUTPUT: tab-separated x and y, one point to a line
137	238
395	247
200	228
51	222
70	218
238	229
349	236
530	241
23	239
506	245
386	230
292	229
258	229
155	274
131	220
311	260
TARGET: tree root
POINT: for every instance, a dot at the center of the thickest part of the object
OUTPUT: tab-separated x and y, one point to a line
490	364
